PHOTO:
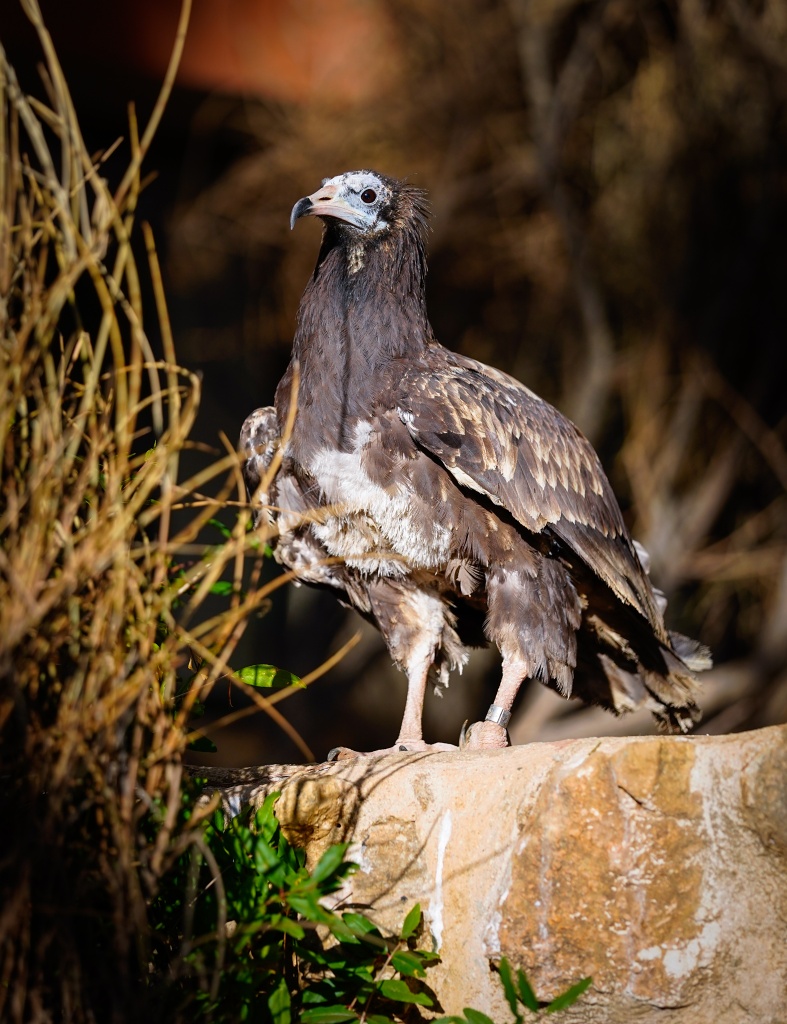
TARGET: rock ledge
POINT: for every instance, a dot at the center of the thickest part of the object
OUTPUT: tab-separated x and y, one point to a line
656	865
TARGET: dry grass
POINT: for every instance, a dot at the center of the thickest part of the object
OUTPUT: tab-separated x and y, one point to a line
100	626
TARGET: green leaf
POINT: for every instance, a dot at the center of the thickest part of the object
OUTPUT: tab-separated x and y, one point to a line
331	860
328	1015
265	858
570	996
411	922
359	924
255	545
264	819
287	926
222	587
507	981
526	993
268	677
203	744
217	524
408	963
279	1004
476	1017
397	990
307	905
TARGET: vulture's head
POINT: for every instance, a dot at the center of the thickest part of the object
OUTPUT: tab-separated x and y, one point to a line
364	205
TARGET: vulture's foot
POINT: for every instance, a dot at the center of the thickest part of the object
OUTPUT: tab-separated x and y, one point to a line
400	747
483	736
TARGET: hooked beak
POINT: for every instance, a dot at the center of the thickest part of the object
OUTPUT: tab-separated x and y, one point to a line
326	203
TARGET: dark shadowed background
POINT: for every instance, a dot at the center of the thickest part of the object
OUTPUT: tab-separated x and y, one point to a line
608	184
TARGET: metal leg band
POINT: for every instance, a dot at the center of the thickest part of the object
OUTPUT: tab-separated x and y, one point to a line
498	715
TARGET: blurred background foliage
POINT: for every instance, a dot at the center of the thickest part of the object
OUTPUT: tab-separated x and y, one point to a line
608	183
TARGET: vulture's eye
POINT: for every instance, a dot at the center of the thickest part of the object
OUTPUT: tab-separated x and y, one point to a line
368	195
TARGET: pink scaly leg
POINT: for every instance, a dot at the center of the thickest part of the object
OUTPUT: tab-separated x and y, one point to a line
410	737
491	734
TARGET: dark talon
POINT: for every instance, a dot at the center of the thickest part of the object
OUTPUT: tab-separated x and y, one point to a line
333	753
402	746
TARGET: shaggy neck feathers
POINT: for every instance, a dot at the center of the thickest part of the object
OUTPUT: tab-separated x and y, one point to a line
363	307
361	285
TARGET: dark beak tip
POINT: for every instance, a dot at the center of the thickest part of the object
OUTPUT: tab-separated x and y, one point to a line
301	207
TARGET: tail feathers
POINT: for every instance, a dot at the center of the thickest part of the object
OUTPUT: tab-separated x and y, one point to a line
672	719
626	688
644	560
668	691
693	654
677	689
669	698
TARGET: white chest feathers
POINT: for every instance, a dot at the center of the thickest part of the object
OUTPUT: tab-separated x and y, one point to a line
378	529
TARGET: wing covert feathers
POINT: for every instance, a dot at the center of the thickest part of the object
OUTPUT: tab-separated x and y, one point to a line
498	438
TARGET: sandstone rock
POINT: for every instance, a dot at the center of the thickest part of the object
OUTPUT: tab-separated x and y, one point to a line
656	865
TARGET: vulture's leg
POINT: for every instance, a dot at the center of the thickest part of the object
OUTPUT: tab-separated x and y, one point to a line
411	729
410	739
491	734
534	613
420	640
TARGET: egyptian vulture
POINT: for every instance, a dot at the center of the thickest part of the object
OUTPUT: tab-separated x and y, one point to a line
441	498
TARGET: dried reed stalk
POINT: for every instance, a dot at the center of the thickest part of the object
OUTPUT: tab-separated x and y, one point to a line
95	692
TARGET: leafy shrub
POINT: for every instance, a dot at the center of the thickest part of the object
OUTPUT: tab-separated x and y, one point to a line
243	932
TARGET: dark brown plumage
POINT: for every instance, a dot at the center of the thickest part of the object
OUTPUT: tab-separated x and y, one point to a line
461	505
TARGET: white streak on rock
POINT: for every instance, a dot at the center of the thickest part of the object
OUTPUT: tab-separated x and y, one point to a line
436	907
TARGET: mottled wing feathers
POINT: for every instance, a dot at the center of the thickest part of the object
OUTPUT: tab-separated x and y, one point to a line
259	439
498	438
